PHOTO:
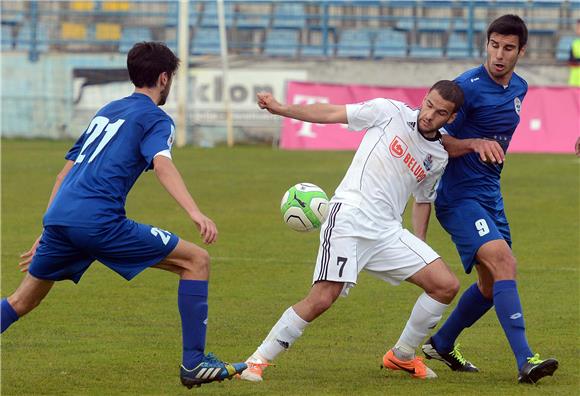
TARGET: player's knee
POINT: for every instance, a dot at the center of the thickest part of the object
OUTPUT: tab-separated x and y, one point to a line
452	288
322	303
323	300
447	290
505	267
198	263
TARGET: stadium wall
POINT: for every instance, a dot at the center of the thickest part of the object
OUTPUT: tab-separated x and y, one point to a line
55	97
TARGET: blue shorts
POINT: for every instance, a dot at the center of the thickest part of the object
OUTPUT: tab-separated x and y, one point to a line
471	225
126	247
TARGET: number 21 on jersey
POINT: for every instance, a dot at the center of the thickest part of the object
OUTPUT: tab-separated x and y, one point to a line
95	129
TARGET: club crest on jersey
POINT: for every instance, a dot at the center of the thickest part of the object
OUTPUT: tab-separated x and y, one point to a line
171	137
398	148
517	105
427	162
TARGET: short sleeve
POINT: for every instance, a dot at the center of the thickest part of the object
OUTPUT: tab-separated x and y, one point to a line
362	116
74	151
158	140
426	192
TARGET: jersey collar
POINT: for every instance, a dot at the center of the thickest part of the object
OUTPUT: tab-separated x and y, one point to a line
435	138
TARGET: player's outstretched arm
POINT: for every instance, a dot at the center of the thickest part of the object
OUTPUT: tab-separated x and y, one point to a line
170	178
319	113
488	150
420	219
26	257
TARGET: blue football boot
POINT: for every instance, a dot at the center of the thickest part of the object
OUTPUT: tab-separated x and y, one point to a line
210	369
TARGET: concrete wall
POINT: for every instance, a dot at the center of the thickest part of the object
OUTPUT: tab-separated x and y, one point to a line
37	98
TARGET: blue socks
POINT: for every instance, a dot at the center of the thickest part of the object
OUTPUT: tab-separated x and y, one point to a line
9	315
471	306
509	312
192	303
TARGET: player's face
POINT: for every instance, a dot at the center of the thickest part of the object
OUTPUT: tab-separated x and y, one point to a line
165	91
435	112
502	55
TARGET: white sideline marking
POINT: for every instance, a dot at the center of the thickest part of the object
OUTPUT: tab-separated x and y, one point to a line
313	261
264	260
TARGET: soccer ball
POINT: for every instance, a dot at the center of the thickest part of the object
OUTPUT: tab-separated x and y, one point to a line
304	207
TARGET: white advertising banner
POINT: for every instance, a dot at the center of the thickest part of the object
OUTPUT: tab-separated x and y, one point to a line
206	94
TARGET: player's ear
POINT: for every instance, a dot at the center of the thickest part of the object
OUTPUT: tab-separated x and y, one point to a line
452	118
522	51
163	79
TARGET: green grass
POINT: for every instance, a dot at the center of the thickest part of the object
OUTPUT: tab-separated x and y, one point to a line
107	336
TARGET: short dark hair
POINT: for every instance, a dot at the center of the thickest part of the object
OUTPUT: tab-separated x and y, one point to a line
509	24
147	60
449	91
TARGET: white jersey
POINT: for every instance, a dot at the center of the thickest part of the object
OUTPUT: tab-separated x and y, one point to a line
392	162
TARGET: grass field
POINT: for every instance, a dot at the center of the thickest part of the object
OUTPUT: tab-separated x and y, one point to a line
106	336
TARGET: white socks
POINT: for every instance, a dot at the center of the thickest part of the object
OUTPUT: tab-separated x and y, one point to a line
288	328
425	315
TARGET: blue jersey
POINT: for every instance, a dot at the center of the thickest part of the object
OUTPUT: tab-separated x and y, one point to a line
118	145
490	111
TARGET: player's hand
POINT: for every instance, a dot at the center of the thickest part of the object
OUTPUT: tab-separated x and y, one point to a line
267	101
207	228
27	256
489	151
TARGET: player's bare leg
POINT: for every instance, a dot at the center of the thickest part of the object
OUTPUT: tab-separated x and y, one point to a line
440	286
187	260
192	264
27	297
290	326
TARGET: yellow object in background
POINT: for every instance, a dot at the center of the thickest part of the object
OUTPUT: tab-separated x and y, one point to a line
108	31
73	31
574	79
115	6
82	5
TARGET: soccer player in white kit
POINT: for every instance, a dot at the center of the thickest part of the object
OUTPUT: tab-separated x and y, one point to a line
401	154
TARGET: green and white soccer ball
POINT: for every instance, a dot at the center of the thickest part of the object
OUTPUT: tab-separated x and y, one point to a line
304	207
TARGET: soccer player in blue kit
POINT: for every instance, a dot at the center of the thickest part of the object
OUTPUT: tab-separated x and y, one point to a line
85	220
469	203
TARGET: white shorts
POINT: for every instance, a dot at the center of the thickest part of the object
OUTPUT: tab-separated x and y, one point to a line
349	243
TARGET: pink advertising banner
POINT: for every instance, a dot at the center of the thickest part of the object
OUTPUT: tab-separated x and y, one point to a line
550	119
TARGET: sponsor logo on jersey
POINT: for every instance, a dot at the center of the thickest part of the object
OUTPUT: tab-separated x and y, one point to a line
518	105
428	161
474	79
415	167
411	124
398	148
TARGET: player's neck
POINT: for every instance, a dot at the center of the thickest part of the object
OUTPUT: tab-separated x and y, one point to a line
430	135
504	81
151	92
